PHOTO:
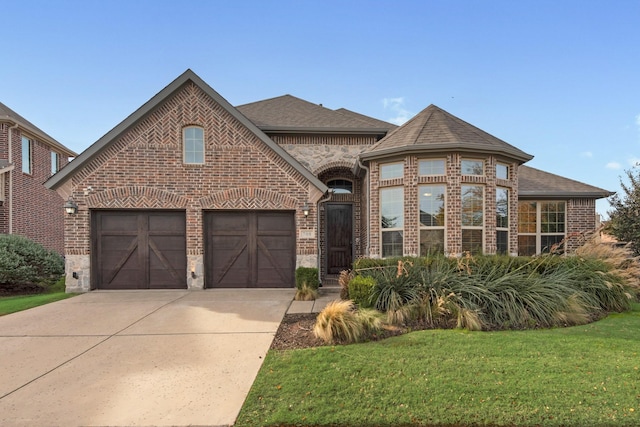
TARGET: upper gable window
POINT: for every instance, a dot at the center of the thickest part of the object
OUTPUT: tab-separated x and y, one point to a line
431	167
55	162
27	155
472	167
341	186
502	171
193	145
391	171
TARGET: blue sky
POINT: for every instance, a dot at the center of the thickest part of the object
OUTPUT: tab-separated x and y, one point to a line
558	79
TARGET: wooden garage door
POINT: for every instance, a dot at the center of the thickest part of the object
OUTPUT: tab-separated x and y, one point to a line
250	249
139	250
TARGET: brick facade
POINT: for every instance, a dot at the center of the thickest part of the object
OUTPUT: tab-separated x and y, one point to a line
36	212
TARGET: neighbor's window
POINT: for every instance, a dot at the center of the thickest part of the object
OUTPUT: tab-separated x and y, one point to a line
193	142
392	220
55	162
502	171
432	218
472	167
472	218
431	167
341	186
502	220
27	155
391	171
541	226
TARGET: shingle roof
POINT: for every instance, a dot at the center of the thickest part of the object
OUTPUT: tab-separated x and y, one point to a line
534	183
434	129
7	114
371	120
288	113
188	76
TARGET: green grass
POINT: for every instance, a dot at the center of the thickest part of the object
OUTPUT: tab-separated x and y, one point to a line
580	376
12	304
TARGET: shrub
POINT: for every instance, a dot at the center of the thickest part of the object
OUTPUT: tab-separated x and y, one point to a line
360	291
308	275
343	280
340	322
305	293
24	262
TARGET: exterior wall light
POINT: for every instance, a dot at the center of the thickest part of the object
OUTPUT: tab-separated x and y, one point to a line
70	206
305	209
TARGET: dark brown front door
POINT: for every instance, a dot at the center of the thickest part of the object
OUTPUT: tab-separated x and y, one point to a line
339	237
250	249
139	250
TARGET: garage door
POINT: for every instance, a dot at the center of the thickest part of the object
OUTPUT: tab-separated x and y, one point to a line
250	249
139	250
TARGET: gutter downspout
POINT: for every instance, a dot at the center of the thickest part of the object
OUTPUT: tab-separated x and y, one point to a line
10	155
326	199
360	165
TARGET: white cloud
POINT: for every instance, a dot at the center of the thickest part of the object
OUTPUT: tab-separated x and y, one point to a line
586	154
613	165
396	106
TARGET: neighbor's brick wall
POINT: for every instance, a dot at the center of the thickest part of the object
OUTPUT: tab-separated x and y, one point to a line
144	169
37	211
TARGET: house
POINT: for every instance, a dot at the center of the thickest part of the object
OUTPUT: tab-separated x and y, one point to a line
192	192
28	157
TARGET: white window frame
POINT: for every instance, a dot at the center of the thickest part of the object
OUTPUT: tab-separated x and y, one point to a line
391	229
538	233
463	161
506	167
423	161
388	167
498	228
185	143
473	227
28	167
55	162
443	227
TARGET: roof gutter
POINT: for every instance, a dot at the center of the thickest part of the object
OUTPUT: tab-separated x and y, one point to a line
40	136
564	195
321	130
457	146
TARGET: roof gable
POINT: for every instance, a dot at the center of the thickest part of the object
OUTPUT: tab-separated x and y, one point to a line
434	129
288	113
187	77
534	183
8	115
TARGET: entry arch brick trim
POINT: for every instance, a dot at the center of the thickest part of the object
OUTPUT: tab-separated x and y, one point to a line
136	197
248	198
333	165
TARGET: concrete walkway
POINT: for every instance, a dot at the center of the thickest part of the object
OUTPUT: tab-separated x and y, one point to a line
137	358
326	295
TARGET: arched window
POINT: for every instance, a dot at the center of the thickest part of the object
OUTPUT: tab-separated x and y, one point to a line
193	144
341	186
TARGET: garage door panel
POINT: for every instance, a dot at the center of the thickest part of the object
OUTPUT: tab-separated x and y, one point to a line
250	249
139	249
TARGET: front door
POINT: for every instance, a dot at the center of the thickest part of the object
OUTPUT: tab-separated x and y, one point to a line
339	237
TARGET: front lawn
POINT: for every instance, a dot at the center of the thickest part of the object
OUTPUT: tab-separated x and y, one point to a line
13	304
580	376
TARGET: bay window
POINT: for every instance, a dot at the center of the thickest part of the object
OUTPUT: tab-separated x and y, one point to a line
502	220
432	219
472	218
392	221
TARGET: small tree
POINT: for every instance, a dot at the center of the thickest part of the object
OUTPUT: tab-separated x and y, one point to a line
624	218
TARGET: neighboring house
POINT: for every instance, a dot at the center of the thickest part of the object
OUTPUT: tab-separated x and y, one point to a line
191	192
28	157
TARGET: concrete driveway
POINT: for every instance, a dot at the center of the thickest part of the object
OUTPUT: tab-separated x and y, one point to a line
151	358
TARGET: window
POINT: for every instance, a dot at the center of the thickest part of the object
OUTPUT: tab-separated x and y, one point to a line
27	155
541	226
341	186
193	142
431	167
391	171
502	220
392	220
472	218
502	171
432	218
55	163
472	167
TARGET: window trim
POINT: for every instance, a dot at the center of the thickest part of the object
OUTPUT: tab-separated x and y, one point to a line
29	165
55	164
444	166
538	233
484	216
481	161
506	166
383	165
184	145
443	227
502	229
391	229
